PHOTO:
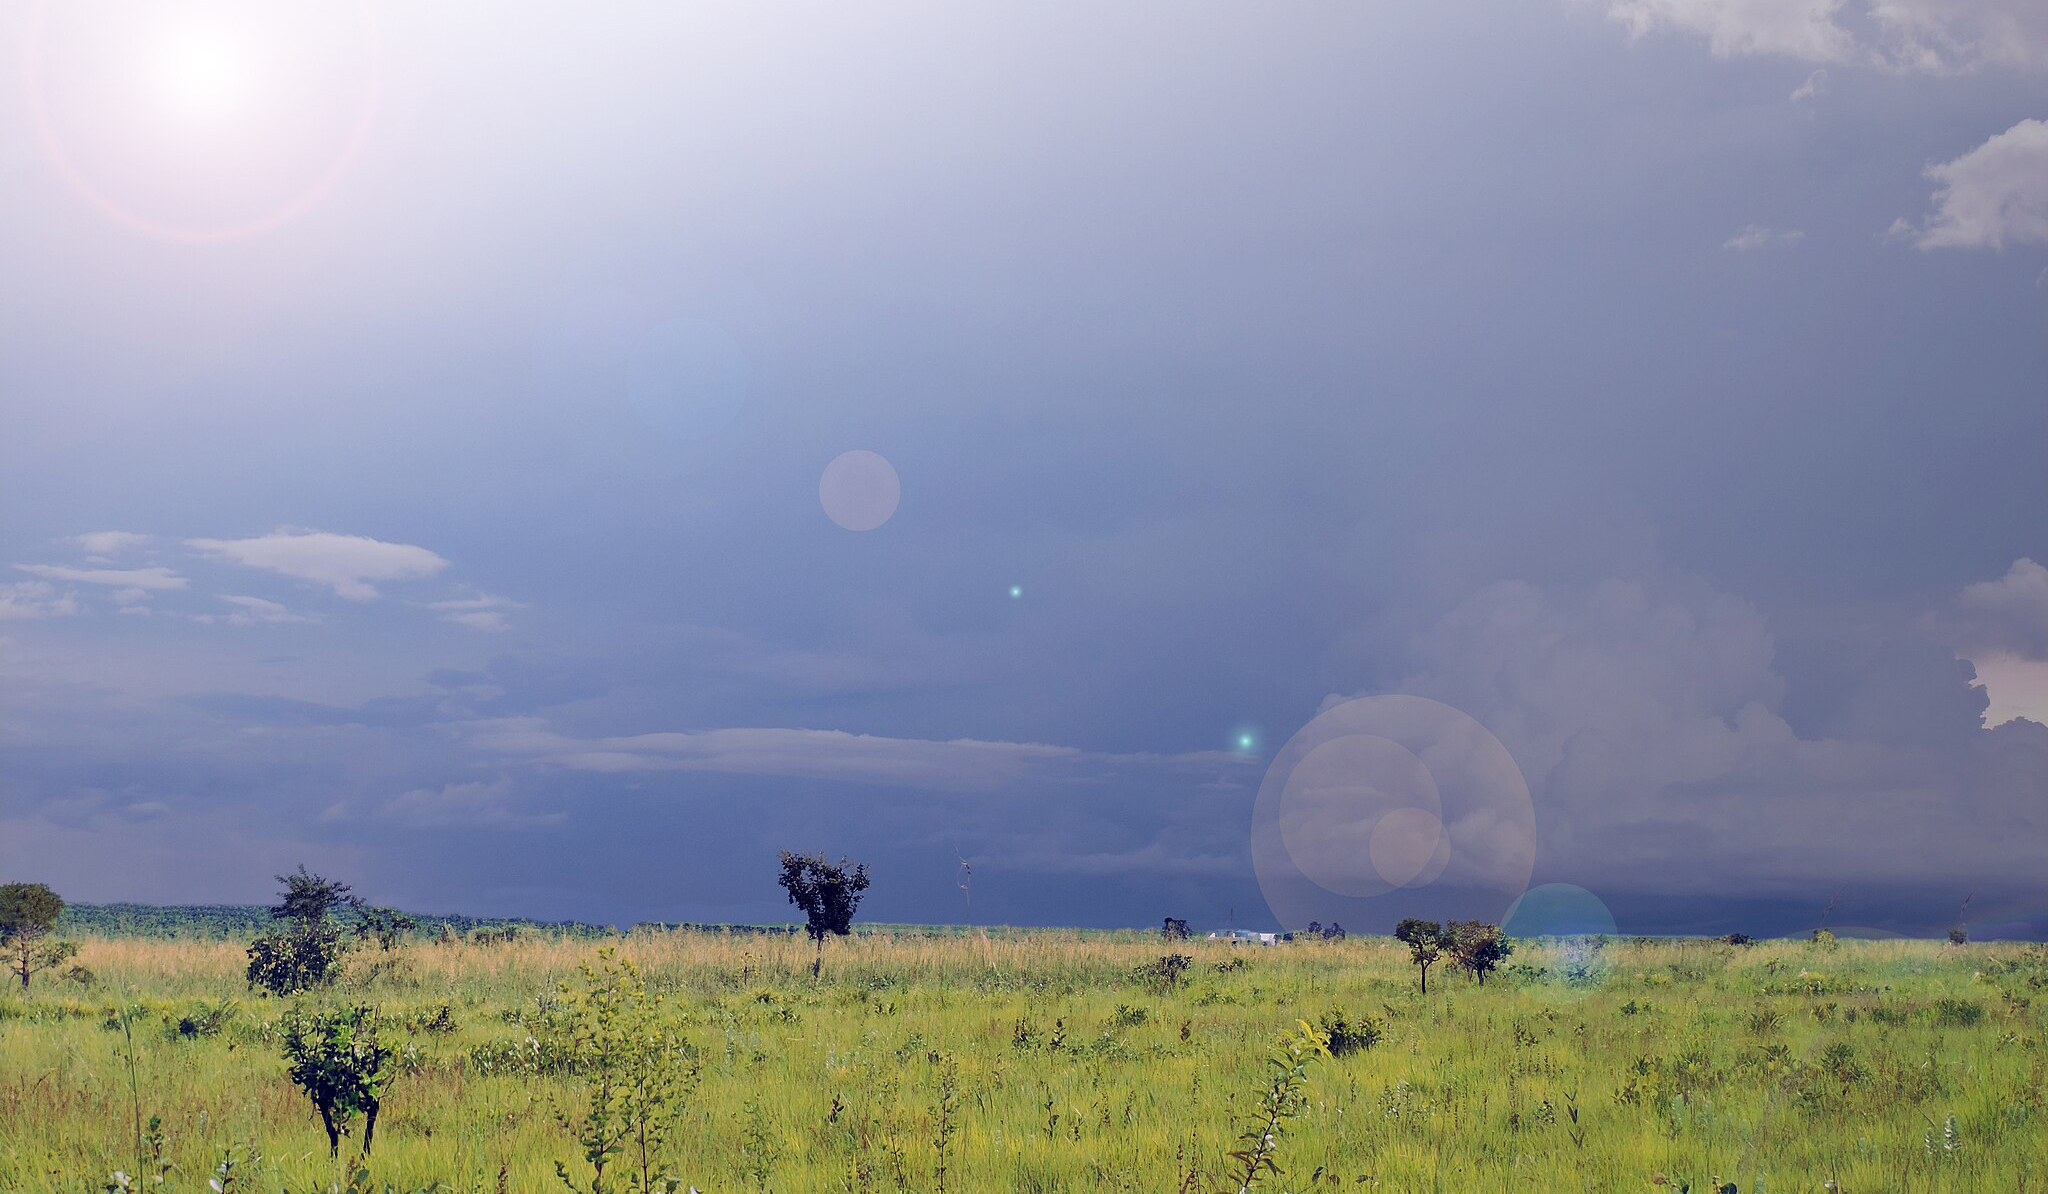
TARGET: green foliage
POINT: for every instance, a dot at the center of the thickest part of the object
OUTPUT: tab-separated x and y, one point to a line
1281	1098
304	958
1342	1035
638	1070
828	893
1478	947
339	1060
28	917
1426	942
308	899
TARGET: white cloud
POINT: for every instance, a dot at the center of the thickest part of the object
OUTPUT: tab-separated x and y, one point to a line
130	596
35	599
255	611
1803	29
1816	85
126	578
1933	36
1997	192
345	563
957	764
483	611
1947	35
2007	616
1755	236
103	545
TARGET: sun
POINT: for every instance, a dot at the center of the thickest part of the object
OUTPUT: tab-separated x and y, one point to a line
201	75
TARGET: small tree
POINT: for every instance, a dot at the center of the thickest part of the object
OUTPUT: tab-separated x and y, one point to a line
338	1060
1174	930
1425	940
307	899
640	1072
28	917
827	892
1335	932
1479	947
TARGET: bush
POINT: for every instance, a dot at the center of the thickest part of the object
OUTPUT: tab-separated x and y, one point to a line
1346	1035
1958	1013
303	959
338	1060
1166	971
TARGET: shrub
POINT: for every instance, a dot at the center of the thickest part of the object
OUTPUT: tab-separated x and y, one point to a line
1167	970
337	1058
1346	1035
1958	1013
302	959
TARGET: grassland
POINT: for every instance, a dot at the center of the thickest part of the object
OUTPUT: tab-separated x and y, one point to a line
1050	1061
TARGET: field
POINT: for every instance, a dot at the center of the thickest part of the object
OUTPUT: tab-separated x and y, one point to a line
1052	1061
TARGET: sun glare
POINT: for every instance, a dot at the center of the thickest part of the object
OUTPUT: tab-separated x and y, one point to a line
202	75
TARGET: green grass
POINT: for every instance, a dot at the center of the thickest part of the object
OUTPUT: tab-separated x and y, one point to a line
1778	1067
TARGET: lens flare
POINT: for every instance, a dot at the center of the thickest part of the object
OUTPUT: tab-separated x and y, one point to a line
201	120
1386	794
859	490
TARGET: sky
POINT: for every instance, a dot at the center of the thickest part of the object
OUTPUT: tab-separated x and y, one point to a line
1249	463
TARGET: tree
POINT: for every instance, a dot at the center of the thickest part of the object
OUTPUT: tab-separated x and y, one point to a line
308	953
28	916
307	899
827	892
1174	930
1425	940
338	1060
1479	947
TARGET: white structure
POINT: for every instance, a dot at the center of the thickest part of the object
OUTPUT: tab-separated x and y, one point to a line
1246	937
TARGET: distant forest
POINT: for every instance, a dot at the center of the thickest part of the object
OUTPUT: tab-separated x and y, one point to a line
243	922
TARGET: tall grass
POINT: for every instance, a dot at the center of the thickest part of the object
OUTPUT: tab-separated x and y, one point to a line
1051	1061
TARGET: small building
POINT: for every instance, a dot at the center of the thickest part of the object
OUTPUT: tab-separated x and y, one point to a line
1246	937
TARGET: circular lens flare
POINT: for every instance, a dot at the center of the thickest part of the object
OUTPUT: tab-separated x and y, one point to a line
1389	794
859	490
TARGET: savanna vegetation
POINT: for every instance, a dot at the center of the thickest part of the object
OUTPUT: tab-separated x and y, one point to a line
1029	1061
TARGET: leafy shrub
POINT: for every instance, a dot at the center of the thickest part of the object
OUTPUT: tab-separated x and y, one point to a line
1346	1035
1166	971
337	1058
303	959
1958	1013
1128	1016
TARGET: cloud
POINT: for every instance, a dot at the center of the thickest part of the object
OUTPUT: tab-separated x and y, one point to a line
1932	36
1997	192
1755	236
483	611
258	611
2003	617
35	599
345	563
1948	35
104	545
458	805
1647	715
1803	29
1816	85
126	578
954	765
